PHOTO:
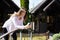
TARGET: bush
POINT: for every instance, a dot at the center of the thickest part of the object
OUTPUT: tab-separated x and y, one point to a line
56	36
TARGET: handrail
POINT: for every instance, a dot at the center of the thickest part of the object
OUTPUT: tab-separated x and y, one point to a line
7	33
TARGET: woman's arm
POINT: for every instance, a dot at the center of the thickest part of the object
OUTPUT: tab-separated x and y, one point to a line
15	23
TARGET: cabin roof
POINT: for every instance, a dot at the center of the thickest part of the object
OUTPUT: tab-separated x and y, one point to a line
47	6
8	6
35	8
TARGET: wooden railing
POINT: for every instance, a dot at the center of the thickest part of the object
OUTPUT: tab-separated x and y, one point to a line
30	33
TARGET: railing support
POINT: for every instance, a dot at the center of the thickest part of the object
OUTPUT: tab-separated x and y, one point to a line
31	35
20	35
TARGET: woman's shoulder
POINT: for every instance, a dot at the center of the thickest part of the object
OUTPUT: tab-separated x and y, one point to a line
14	14
13	17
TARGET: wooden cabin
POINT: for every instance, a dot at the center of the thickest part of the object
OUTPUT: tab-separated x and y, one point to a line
46	16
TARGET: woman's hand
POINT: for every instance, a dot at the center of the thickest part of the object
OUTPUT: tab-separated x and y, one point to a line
28	26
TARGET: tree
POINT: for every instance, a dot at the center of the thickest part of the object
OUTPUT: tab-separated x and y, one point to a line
25	4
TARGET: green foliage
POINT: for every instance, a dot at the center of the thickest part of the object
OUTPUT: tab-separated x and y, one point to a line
28	18
25	4
56	36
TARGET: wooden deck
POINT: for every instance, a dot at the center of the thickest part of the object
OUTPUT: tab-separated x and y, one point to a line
34	37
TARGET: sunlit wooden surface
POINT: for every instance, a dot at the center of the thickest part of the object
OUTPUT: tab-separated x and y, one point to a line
35	37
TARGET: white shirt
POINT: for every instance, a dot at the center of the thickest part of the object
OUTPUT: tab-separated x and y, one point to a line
13	23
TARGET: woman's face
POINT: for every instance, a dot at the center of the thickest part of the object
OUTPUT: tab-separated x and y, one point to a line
22	14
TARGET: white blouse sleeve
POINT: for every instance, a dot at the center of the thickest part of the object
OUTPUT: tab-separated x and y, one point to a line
14	20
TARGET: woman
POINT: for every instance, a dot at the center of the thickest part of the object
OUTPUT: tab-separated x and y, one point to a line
15	22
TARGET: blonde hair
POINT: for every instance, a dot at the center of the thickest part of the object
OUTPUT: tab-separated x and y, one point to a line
18	13
21	10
